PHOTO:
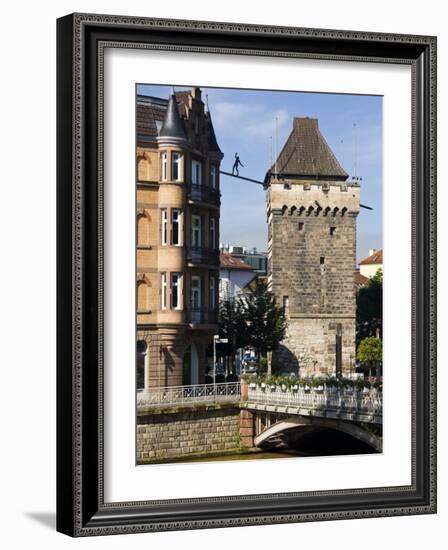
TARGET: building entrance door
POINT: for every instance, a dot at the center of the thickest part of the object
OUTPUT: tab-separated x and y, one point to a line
191	366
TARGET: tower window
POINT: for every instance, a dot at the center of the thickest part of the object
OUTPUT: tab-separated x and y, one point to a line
176	279
175	227
163	290
176	160
164	166
196	230
213	176
332	231
196	172
212	235
301	226
164	226
322	260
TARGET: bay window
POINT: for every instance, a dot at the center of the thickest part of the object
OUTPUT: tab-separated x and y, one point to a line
176	166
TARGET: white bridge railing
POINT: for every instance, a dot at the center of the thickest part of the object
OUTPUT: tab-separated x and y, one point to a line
369	401
183	395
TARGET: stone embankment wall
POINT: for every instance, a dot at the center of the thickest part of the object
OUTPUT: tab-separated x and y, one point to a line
172	434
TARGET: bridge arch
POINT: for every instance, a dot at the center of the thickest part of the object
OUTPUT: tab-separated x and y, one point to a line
300	422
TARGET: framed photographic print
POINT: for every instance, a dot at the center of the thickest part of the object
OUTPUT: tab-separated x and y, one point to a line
246	274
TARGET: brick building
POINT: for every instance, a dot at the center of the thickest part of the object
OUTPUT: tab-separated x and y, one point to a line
178	202
312	211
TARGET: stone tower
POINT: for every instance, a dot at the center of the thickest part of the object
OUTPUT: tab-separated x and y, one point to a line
312	211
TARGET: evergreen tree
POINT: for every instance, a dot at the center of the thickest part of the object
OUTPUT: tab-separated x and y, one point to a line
265	320
369	308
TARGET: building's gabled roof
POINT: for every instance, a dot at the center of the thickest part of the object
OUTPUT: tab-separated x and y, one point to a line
374	259
227	261
306	154
173	126
360	280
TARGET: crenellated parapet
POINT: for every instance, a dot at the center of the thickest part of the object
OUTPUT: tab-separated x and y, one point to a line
313	199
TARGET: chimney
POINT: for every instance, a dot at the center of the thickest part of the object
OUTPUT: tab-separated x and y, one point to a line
372	251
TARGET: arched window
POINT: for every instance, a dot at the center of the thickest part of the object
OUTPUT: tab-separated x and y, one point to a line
142	296
143	229
143	168
141	375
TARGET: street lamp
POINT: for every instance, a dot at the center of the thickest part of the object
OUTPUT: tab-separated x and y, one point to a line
216	340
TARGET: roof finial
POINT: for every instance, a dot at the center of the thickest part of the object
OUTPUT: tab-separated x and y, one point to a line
207	108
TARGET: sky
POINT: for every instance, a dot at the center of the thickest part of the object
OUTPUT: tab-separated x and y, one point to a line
244	122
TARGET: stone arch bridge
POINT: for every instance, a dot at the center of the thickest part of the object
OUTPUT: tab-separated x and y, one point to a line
278	413
263	415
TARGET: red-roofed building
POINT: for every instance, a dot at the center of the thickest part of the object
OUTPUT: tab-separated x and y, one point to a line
360	280
234	275
370	265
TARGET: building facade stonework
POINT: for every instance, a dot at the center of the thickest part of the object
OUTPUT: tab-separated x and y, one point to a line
312	211
177	232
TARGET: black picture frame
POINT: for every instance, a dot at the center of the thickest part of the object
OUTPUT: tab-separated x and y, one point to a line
81	510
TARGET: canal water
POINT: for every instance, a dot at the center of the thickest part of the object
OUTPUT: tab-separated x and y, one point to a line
320	443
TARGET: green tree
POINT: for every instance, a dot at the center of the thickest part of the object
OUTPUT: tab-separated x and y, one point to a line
370	353
369	308
265	320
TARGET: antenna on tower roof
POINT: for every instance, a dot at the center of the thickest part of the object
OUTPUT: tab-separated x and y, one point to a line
276	145
355	136
270	151
207	109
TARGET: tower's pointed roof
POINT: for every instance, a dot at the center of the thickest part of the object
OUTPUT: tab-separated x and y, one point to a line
307	154
173	126
213	146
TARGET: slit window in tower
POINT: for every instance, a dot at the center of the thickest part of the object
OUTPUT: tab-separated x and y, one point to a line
322	260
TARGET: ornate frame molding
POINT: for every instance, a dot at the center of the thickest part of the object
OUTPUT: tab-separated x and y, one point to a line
81	42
